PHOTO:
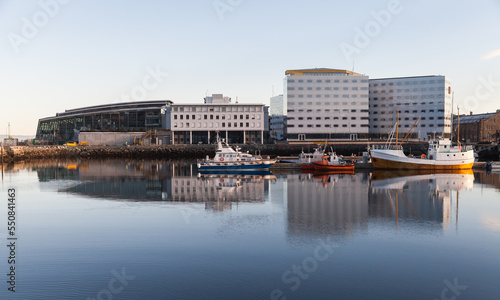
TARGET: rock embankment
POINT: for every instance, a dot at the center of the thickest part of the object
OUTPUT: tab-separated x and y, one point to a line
28	153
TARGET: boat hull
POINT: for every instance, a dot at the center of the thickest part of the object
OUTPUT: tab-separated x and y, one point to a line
333	167
381	163
235	167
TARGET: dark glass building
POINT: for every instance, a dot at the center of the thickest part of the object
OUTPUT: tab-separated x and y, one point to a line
129	116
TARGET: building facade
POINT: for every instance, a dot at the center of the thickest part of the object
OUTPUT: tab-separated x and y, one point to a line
277	120
326	104
130	116
478	128
426	97
200	123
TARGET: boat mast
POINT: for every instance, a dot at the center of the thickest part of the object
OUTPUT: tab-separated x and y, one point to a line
458	126
397	126
451	128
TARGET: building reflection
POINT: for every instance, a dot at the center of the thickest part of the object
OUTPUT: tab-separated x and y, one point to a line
339	204
327	203
159	181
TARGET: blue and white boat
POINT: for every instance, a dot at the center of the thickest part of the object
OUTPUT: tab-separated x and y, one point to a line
229	159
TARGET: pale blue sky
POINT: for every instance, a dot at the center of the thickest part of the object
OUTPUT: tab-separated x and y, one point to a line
93	52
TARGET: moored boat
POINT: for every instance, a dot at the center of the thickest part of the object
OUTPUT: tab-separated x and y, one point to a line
305	160
441	155
229	159
332	162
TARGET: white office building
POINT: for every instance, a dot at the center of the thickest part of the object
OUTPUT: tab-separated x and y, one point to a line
200	123
277	120
326	104
426	97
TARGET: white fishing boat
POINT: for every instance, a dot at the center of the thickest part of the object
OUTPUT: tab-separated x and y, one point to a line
228	159
441	155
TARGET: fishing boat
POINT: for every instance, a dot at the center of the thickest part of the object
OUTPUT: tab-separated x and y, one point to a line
305	160
332	162
441	155
228	159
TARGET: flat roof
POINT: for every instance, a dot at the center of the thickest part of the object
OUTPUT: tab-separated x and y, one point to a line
407	77
113	107
300	72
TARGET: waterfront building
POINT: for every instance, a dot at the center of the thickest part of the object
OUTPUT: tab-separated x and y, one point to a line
426	97
478	128
277	120
326	104
129	116
200	123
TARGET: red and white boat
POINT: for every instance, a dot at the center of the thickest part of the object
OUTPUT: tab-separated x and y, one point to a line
333	163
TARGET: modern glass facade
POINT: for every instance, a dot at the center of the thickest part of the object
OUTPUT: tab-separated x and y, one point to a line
131	116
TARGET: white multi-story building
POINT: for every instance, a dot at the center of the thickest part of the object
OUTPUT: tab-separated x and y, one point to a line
426	97
326	104
200	123
277	122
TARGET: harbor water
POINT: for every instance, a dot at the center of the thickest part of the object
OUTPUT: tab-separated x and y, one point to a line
152	229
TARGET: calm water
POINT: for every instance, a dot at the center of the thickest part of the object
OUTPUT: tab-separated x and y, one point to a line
160	230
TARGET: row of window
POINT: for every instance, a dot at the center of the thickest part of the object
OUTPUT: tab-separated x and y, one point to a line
406	90
211	117
328	103
336	88
430	96
328	96
326	111
413	111
326	118
406	111
414	118
329	80
326	125
216	125
408	82
406	126
230	108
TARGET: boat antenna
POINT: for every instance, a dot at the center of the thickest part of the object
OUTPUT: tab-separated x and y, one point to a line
458	126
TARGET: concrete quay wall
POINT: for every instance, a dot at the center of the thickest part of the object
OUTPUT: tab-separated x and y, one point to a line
27	153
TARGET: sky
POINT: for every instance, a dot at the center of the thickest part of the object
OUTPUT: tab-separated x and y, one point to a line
63	54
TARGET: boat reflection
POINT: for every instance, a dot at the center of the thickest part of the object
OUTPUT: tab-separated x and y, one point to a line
340	204
416	196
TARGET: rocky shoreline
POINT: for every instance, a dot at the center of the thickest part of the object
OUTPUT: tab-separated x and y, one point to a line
30	153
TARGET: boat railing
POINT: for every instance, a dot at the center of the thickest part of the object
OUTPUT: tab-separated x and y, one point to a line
387	147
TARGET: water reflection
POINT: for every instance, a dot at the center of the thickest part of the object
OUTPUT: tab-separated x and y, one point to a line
326	204
316	204
160	181
417	196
